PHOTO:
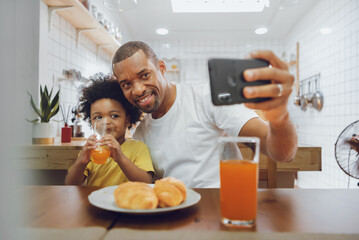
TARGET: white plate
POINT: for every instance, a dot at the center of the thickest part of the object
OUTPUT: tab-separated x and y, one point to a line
103	198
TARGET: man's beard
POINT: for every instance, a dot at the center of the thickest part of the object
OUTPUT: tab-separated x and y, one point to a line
152	109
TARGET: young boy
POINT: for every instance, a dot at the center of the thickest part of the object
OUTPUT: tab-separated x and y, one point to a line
130	160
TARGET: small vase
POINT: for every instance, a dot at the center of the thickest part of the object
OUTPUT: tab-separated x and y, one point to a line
66	134
43	133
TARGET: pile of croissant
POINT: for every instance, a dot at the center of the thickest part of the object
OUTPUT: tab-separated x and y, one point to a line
167	192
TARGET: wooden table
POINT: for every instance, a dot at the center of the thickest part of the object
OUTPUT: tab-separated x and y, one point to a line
279	210
62	207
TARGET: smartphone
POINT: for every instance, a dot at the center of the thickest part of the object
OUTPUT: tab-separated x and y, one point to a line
227	81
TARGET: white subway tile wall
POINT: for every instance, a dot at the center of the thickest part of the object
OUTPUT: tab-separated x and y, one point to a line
336	57
193	55
62	53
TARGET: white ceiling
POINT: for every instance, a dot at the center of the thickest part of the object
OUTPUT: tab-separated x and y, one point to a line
148	15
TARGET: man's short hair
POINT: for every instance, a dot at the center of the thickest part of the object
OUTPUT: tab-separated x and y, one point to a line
130	48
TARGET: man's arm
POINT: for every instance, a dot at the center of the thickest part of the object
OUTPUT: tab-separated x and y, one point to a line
278	136
277	142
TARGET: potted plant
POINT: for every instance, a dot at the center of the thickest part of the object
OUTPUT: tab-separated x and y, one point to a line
42	129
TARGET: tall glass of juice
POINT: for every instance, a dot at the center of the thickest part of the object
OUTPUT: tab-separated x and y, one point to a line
101	154
239	158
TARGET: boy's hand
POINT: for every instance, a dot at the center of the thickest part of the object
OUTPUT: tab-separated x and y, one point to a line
84	157
114	146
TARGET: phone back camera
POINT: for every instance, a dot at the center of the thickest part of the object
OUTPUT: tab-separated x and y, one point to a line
225	97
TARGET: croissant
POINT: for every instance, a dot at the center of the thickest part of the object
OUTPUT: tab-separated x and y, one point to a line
170	192
135	195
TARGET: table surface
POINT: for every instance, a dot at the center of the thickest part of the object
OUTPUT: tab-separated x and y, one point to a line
279	210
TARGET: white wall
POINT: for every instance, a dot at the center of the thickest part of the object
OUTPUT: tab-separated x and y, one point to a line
336	57
193	55
26	53
58	51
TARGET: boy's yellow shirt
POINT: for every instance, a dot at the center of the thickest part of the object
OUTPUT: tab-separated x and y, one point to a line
110	173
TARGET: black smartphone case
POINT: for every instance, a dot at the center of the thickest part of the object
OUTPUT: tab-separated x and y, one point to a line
227	82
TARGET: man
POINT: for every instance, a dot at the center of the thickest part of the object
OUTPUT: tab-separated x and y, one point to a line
182	126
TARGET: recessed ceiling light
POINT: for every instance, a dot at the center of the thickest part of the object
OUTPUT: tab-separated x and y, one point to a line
261	30
325	30
219	5
162	31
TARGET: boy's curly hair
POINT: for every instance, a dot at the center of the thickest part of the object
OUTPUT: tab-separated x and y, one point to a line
105	88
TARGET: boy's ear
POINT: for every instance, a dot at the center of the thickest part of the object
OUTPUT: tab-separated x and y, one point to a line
128	121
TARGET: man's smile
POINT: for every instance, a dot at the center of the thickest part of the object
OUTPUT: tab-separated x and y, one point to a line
145	100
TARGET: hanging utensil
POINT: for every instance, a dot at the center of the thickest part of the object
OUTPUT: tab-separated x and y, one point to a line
318	99
297	98
297	84
304	101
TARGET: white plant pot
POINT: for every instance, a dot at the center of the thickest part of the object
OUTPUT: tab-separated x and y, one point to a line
43	133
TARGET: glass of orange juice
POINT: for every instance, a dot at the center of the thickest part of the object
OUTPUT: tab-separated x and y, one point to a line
239	158
101	154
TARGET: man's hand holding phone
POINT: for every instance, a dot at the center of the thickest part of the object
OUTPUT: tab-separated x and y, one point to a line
261	81
274	109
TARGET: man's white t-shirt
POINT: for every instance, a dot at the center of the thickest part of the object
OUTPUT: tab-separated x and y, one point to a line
184	142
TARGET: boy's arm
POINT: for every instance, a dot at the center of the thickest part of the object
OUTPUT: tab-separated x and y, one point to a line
132	172
75	175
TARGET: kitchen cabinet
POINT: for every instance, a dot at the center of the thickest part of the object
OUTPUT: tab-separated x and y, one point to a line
79	17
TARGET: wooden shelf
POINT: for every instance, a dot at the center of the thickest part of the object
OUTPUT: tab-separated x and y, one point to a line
79	17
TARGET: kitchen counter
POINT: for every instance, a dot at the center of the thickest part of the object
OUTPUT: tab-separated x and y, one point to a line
60	156
57	156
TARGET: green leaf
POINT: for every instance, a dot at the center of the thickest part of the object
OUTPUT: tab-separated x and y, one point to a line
45	107
46	92
36	110
54	112
43	102
48	108
47	112
55	101
51	92
41	99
